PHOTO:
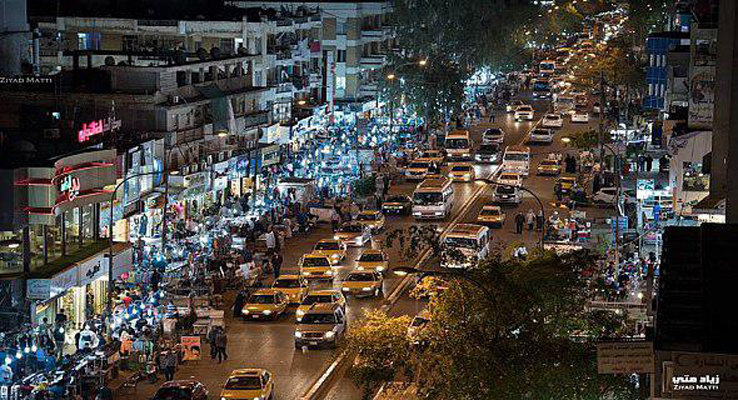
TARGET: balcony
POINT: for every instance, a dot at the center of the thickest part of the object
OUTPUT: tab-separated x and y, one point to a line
373	61
372	34
253	119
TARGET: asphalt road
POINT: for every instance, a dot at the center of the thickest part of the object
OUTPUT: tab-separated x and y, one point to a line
270	344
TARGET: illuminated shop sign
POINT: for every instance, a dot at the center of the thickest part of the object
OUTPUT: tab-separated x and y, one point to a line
69	186
97	127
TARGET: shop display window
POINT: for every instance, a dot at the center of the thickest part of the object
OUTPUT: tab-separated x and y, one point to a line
694	180
11	252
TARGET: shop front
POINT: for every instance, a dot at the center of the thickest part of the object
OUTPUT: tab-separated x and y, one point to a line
190	194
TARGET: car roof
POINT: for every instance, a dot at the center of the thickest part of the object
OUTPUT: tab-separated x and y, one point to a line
323	292
517	175
329	240
247	372
289	276
370	212
315	255
372	251
491	207
322	308
359	272
465	165
466	229
265	292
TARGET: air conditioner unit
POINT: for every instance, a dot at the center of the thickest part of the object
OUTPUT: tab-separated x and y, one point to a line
204	167
174	99
186	170
210	160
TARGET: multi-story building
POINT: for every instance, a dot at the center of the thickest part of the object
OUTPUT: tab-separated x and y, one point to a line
658	46
356	38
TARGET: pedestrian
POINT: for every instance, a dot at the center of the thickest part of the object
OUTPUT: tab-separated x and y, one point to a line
276	264
530	219
539	221
649	163
169	363
271	241
155	280
519	222
221	342
335	220
237	307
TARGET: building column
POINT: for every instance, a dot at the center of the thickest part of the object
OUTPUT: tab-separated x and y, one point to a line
188	77
45	232
725	125
63	234
26	250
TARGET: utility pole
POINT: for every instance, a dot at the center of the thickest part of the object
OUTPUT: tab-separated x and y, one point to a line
601	137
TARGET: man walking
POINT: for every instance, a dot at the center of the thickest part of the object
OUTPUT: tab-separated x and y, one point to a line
276	264
271	241
539	221
530	219
221	342
519	221
169	363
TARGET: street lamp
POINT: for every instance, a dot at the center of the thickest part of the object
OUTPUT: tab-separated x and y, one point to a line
390	76
461	274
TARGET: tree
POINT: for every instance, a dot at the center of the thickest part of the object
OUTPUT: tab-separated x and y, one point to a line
380	345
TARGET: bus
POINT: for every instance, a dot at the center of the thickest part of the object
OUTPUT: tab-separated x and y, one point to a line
542	89
516	159
546	67
458	145
432	199
465	245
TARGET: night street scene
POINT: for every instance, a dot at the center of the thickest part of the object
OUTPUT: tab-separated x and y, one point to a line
368	200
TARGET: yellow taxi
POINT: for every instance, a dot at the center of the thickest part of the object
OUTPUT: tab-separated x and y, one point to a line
248	383
264	304
334	249
374	219
462	172
373	260
491	215
362	284
316	266
328	296
293	286
434	155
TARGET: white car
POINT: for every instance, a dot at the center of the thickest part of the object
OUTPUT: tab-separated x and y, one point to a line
552	121
580	117
506	195
513	105
609	195
510	178
493	135
540	135
524	113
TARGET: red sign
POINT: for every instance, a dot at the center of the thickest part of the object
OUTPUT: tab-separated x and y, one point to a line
95	128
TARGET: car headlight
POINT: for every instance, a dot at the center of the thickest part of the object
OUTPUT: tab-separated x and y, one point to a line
367	289
258	398
329	272
306	273
336	237
223	398
300	313
380	268
330	334
267	312
345	289
438	213
417	214
298	334
335	255
360	268
467	175
245	311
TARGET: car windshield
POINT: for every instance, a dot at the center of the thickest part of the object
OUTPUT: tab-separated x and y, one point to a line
360	278
541	86
540	132
461	168
549	163
321	318
419	165
371	257
525	108
493	132
461	242
173	393
262	299
367	217
431	154
427	198
516	157
501	189
244	383
351	228
457	143
490	211
317	298
418	321
396	199
488	148
553	117
316	261
328	246
287	283
508	177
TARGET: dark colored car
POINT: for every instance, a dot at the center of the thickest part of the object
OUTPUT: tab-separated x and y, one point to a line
186	389
397	204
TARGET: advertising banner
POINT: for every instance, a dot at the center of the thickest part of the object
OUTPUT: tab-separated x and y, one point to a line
192	348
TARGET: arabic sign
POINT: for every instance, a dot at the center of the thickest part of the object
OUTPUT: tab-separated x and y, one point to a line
93	269
625	358
702	376
97	127
701	97
38	289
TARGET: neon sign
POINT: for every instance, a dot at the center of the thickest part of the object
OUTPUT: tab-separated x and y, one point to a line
69	185
97	127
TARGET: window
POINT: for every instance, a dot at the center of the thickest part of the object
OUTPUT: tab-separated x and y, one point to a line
340	83
340	27
341	56
88	41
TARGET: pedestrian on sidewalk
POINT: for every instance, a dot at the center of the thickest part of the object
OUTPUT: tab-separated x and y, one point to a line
277	264
539	221
221	342
649	163
519	221
169	363
212	335
530	219
335	220
271	241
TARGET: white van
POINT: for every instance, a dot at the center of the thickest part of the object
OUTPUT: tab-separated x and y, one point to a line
433	199
516	159
465	245
458	145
